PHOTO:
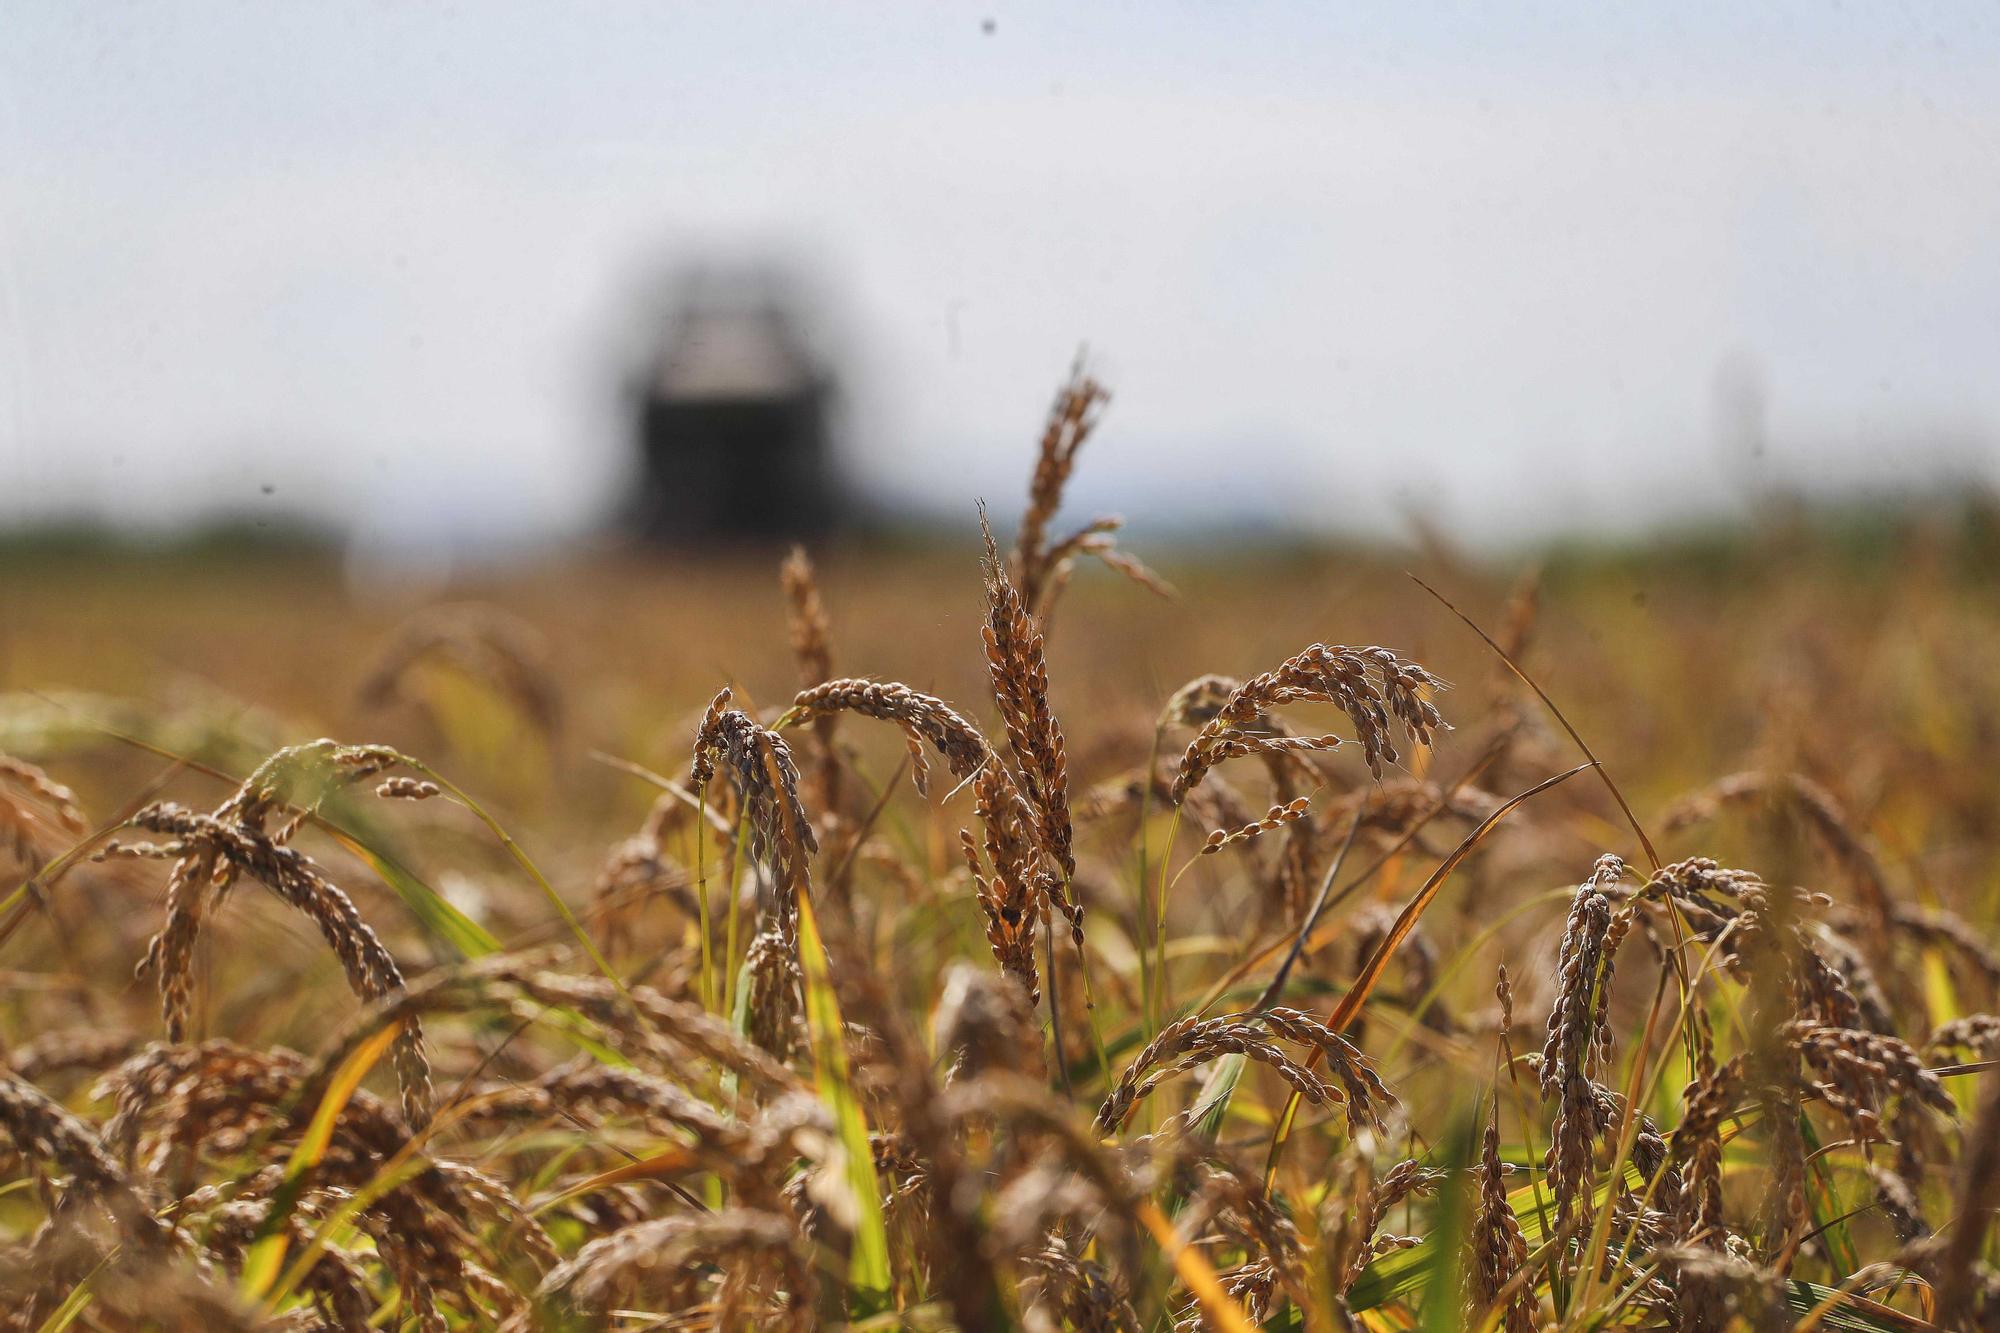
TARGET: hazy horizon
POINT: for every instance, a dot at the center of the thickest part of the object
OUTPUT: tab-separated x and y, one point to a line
1566	267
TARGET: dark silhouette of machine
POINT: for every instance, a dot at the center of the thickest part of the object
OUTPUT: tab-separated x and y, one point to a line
732	419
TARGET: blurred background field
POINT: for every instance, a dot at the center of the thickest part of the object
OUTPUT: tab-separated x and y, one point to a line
1858	647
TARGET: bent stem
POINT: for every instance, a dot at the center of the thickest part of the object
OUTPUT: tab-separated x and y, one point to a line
1350	1005
521	858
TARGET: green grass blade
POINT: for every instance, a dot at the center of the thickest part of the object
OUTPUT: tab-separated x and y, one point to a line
465	936
868	1262
267	1250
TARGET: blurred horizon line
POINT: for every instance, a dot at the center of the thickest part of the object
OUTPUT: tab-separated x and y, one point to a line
1823	514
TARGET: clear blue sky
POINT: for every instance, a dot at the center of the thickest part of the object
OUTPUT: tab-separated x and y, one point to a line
1498	263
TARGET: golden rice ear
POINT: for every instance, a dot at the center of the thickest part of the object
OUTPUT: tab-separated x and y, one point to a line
1008	897
656	1257
923	718
39	817
1496	1251
1034	561
1193	1041
811	628
56	1142
213	850
1573	1054
1371	685
812	650
1019	671
1277	817
485	643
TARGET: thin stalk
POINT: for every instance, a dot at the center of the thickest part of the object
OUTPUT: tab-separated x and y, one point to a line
1162	997
1276	988
1652	857
1145	840
1089	1000
730	959
1061	1060
701	904
521	858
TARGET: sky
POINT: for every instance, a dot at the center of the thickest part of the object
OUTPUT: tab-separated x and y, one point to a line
1513	268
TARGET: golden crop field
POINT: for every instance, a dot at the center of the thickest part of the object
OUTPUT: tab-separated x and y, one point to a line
1000	949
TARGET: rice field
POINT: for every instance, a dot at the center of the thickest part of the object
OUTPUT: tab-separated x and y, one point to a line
1022	929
